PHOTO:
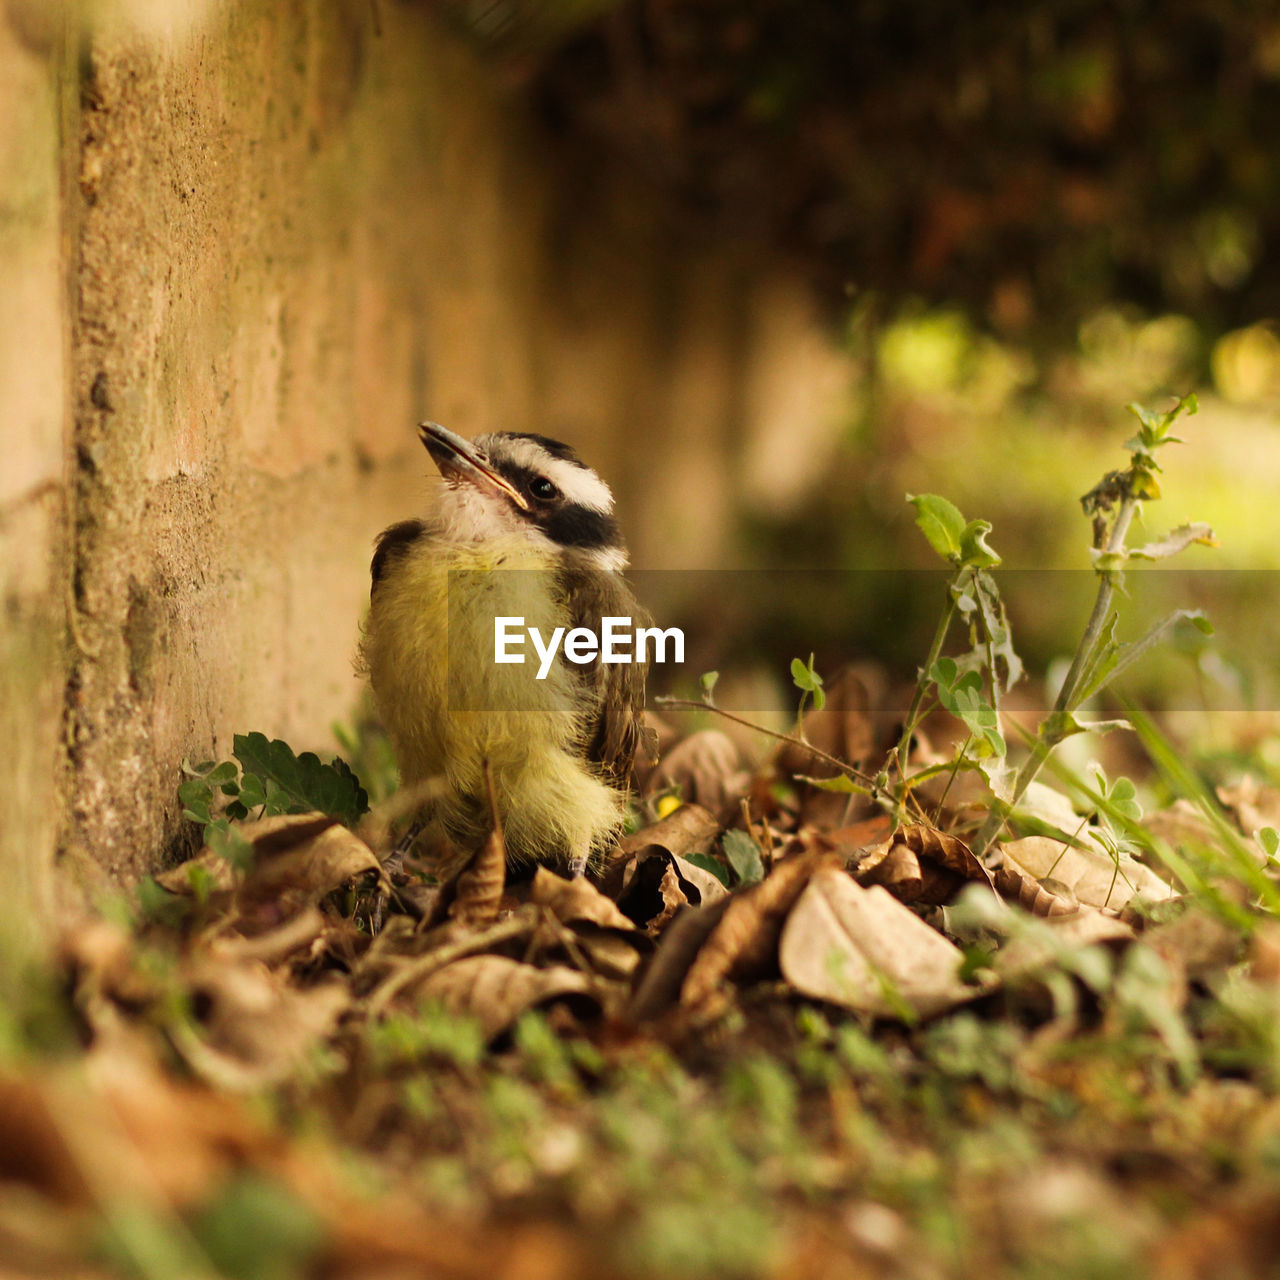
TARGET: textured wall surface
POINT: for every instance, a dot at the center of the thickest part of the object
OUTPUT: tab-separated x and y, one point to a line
33	510
243	250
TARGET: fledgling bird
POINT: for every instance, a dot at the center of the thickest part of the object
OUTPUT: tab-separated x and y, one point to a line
523	529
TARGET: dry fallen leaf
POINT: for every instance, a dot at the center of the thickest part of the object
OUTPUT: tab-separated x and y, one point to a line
688	829
572	901
1031	895
659	986
1198	942
842	729
947	851
1096	879
898	871
1083	928
496	990
255	1027
298	859
862	949
478	890
1253	805
706	768
746	939
641	897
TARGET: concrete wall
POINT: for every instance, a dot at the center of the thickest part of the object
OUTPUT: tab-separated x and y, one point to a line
33	480
244	247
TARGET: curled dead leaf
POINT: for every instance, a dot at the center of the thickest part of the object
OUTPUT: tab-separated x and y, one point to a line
659	986
641	897
1096	878
688	829
496	990
944	850
1044	946
706	769
254	1027
673	900
478	890
575	901
745	940
1030	894
298	858
862	949
898	871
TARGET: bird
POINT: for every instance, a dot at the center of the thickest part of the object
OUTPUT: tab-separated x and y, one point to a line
523	529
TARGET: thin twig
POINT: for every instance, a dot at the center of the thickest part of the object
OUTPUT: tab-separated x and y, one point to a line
691	705
423	966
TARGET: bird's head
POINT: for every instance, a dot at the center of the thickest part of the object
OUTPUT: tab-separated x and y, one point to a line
510	482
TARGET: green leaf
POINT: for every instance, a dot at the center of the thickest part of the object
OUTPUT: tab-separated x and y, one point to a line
974	551
301	783
955	692
1269	839
743	855
253	791
941	522
1121	795
197	799
1114	659
704	862
807	679
227	843
1149	418
1098	664
995	622
943	672
708	682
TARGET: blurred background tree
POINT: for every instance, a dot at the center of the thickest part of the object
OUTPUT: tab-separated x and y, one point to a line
1017	218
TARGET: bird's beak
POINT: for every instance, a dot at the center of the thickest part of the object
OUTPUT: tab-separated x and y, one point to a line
459	459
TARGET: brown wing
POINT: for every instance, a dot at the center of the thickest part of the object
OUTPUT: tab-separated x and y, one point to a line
615	727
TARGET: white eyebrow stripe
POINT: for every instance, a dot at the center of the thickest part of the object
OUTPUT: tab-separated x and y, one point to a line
579	484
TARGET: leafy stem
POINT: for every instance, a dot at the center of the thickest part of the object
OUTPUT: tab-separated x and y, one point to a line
912	721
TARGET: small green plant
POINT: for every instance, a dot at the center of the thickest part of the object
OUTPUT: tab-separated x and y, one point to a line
743	855
809	682
266	778
970	685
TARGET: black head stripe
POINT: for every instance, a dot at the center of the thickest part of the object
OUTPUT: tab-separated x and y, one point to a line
567	524
556	448
573	526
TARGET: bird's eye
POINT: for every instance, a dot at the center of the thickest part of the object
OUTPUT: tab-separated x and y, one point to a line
543	489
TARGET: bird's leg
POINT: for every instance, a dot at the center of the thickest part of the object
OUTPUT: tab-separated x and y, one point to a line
394	861
579	858
393	864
